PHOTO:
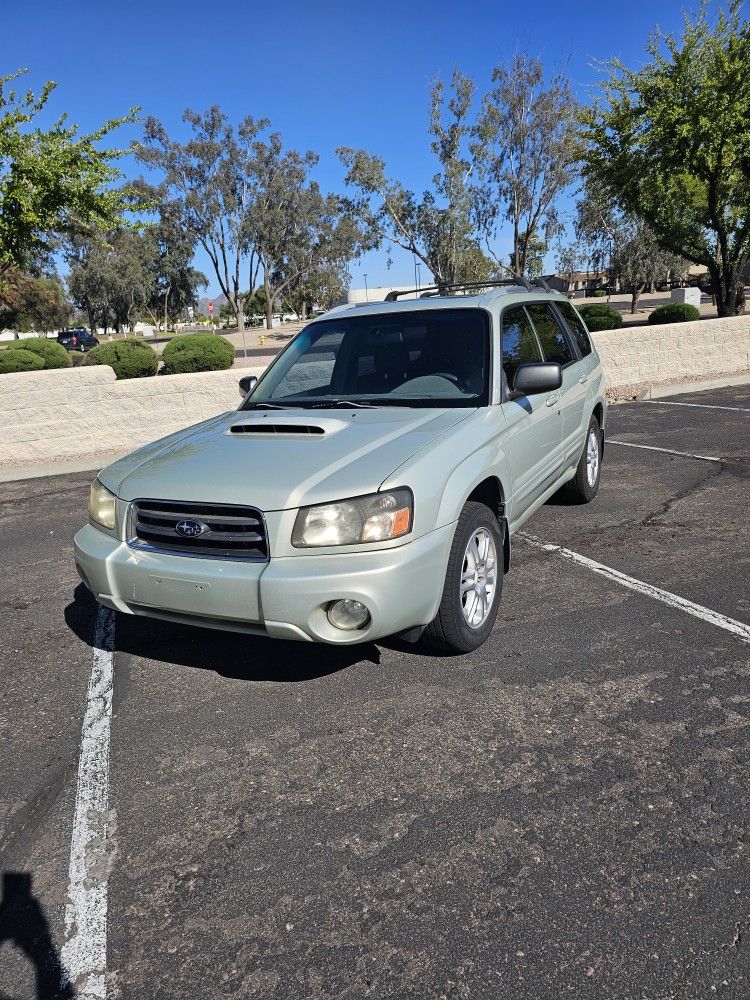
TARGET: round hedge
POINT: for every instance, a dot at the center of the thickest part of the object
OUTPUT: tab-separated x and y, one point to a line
14	359
52	354
197	352
674	312
127	358
600	316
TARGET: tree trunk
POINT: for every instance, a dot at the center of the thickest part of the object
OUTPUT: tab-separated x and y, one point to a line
303	310
269	302
635	294
240	316
724	280
166	306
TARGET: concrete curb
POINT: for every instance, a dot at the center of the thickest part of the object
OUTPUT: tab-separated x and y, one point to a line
88	463
721	382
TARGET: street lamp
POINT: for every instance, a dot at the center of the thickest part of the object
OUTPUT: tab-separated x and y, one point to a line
367	294
418	269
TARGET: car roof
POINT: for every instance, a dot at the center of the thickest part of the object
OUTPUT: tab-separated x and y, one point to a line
493	297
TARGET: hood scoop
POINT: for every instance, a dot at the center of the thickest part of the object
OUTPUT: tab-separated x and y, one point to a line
299	430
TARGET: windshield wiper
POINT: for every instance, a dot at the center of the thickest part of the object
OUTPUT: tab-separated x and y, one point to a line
346	403
274	406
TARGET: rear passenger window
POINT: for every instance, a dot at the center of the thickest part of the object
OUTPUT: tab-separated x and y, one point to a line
519	342
576	327
551	335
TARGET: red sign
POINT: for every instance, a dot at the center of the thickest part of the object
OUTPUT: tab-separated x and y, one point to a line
210	308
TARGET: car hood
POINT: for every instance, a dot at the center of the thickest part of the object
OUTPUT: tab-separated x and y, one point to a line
279	459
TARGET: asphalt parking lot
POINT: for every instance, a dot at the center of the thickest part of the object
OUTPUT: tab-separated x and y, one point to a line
562	813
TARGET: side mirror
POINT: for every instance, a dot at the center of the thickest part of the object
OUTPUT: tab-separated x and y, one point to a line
247	384
537	377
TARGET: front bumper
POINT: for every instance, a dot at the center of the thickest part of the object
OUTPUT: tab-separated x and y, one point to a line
285	597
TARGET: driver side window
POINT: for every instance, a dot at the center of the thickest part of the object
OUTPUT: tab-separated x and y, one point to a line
519	341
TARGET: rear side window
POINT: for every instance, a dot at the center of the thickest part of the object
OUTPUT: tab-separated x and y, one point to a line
519	341
551	334
576	327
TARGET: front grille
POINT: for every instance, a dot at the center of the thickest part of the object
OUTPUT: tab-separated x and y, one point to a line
226	531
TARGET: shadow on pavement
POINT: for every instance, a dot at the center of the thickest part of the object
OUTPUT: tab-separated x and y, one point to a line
229	654
23	923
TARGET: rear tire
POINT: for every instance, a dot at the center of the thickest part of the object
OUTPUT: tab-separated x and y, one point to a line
473	583
585	484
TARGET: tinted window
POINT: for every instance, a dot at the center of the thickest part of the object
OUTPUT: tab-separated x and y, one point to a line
519	343
576	327
550	333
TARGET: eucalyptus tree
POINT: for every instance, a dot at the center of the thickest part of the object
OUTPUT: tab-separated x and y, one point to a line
527	154
211	176
435	226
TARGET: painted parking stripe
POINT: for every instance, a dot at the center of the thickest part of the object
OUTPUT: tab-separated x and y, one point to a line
667	451
737	628
84	953
700	406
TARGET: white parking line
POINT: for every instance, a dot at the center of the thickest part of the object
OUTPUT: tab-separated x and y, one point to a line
84	954
700	406
697	610
667	451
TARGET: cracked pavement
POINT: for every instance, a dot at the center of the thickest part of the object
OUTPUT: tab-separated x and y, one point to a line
562	813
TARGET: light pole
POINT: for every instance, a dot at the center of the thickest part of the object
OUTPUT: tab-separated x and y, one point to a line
367	294
418	269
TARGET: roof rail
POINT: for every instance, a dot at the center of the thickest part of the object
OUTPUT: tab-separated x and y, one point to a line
430	290
541	283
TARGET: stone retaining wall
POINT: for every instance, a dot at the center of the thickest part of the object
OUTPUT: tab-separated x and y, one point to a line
67	412
53	416
638	357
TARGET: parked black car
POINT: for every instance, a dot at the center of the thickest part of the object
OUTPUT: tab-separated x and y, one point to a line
77	340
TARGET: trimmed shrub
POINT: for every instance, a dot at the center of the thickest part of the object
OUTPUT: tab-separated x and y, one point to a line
127	358
674	312
52	354
17	360
600	293
197	352
601	317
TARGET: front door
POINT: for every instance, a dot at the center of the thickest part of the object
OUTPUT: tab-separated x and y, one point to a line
534	422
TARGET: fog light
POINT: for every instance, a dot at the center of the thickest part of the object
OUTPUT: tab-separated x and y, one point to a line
348	614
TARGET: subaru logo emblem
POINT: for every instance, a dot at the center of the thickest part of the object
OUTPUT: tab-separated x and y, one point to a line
189	528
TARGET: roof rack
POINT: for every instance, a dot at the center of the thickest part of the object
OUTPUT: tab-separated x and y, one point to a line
431	290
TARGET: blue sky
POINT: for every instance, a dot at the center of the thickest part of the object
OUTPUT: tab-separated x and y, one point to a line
326	74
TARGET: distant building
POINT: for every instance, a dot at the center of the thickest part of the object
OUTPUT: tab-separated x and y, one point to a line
577	282
379	292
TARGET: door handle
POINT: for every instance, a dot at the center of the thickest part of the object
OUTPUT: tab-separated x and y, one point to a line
551	400
583	379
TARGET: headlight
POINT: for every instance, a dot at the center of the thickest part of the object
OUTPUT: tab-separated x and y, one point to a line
102	506
373	518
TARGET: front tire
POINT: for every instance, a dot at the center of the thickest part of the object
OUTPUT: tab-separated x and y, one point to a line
473	583
585	484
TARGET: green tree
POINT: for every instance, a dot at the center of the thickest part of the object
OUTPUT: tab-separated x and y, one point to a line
114	282
670	143
527	152
54	183
623	245
30	303
436	227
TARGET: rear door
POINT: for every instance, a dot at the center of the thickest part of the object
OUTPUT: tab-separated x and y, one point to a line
557	345
534	422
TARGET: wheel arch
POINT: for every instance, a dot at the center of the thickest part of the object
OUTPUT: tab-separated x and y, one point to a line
490	492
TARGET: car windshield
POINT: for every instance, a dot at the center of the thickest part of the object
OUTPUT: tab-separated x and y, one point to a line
430	358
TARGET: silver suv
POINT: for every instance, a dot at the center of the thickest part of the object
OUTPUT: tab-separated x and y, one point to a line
371	480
